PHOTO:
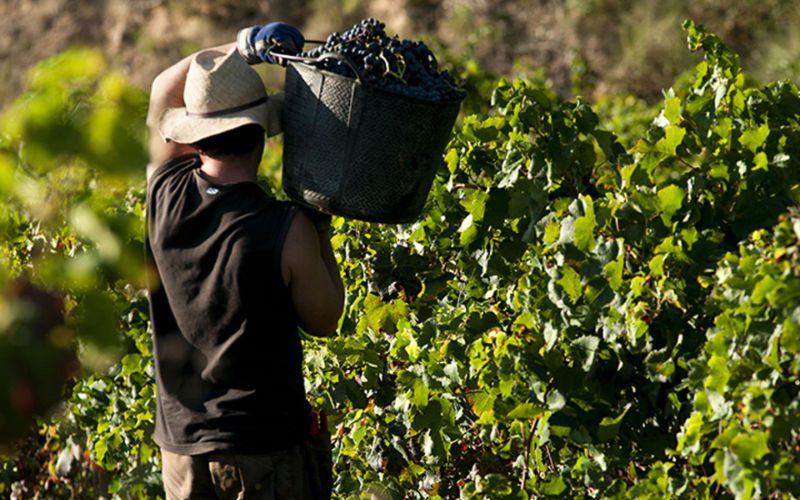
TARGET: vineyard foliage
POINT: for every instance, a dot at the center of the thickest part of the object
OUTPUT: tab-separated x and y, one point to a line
579	312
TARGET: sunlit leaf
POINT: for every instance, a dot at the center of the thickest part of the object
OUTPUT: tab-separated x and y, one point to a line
570	281
753	138
670	200
750	447
673	138
584	226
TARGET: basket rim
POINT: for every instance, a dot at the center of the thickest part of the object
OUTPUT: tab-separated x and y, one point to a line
356	215
373	88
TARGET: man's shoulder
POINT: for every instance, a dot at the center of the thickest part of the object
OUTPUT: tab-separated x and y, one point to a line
279	213
174	166
282	206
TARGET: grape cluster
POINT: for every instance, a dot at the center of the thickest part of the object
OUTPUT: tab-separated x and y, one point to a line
403	67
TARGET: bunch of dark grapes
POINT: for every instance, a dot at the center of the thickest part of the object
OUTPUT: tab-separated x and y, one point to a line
399	66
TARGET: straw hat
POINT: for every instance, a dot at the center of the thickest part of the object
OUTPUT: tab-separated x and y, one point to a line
222	92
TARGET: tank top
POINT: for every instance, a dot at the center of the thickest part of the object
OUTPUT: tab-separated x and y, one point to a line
228	357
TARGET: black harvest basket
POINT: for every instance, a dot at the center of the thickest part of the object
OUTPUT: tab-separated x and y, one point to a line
358	151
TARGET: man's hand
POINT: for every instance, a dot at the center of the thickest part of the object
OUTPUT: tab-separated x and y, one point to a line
259	43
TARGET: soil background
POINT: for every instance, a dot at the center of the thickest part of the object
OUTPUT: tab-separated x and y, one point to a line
592	46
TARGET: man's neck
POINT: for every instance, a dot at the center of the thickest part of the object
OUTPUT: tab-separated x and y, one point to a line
228	170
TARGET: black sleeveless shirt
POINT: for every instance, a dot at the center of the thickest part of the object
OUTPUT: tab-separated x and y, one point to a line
227	351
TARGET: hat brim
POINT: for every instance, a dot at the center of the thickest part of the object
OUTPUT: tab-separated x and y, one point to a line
177	125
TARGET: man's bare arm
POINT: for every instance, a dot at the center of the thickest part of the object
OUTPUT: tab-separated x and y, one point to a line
312	275
167	92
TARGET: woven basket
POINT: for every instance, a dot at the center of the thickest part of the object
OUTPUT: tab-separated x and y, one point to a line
358	151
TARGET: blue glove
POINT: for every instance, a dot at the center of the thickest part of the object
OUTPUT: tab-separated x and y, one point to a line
260	43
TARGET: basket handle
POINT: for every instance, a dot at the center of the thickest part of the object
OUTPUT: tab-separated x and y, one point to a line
315	60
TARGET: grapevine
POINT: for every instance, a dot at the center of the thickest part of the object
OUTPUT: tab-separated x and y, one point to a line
571	317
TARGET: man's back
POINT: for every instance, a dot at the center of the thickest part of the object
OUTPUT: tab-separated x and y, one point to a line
228	355
239	274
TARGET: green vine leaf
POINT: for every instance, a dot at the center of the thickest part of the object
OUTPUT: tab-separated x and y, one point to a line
670	200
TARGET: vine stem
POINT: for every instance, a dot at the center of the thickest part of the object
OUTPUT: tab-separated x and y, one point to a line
527	454
550	458
467	185
687	163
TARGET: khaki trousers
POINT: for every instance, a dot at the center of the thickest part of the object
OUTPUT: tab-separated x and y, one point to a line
273	476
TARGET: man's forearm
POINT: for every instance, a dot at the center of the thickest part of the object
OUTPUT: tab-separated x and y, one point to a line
167	92
167	89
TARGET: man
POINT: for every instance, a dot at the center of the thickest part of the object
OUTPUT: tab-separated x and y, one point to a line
237	273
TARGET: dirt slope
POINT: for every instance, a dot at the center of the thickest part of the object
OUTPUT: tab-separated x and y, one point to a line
617	45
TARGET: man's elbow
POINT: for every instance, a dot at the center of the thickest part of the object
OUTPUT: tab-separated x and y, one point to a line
325	325
325	333
322	330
